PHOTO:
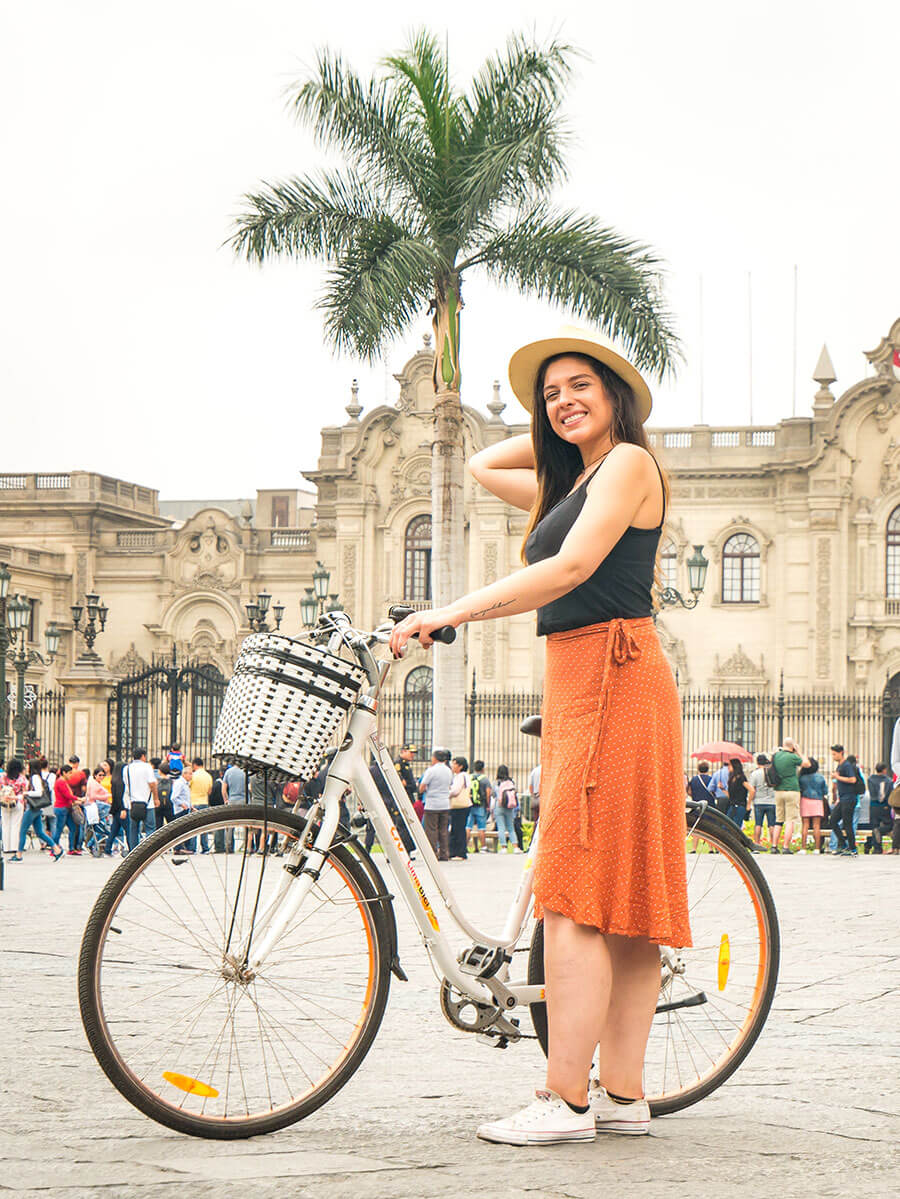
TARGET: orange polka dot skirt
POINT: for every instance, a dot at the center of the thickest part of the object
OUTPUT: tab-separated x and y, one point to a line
611	848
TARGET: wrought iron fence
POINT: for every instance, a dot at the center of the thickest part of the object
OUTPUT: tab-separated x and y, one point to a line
170	703
45	723
863	724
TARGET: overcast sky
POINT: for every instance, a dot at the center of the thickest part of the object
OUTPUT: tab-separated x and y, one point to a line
738	139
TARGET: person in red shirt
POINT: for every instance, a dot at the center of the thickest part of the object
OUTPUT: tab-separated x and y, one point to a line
78	777
63	798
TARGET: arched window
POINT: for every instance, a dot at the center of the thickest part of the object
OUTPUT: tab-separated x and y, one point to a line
740	570
668	563
417	707
892	580
417	561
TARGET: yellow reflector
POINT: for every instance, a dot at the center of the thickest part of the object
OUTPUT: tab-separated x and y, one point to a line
193	1086
724	961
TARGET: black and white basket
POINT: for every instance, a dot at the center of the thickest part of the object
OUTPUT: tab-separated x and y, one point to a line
284	705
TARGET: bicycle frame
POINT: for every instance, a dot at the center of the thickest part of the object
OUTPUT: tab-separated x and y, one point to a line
348	769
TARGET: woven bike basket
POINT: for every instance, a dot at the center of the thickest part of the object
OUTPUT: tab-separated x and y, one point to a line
284	705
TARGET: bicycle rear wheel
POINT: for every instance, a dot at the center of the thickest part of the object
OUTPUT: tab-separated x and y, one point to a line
715	997
184	1033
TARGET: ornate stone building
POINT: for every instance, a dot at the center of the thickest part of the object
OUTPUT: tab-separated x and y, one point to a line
800	522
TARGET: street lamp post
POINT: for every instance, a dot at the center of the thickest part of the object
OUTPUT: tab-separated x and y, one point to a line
697	567
317	598
258	611
21	657
5	639
97	612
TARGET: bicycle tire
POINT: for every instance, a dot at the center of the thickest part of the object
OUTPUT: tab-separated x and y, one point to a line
729	842
371	908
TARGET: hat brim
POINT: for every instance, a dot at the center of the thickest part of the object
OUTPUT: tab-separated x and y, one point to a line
526	362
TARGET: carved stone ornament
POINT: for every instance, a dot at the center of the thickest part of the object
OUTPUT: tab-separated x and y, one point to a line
130	663
740	666
890	468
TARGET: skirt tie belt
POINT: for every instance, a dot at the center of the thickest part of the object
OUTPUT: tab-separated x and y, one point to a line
620	647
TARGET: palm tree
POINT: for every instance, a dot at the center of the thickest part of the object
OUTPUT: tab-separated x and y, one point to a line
438	183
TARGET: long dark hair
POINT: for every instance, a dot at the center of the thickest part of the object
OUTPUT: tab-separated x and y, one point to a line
737	768
557	463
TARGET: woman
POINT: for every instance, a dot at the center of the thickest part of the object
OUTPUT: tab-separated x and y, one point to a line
610	868
813	805
41	789
460	802
505	806
13	785
118	811
63	799
97	793
740	792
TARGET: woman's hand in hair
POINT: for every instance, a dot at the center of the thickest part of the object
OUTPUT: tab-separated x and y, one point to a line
506	470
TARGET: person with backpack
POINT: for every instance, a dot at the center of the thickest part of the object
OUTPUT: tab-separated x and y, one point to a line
38	800
506	805
460	802
850	785
782	774
480	792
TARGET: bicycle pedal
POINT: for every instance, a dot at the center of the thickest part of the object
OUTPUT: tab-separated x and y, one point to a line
492	1040
481	961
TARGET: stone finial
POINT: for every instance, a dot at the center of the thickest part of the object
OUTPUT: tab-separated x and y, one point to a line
823	375
496	405
354	408
426	341
824	372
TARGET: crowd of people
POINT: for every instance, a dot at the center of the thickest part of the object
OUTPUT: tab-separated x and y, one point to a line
107	810
784	800
68	811
787	793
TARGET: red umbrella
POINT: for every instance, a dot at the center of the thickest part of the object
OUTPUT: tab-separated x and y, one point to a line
723	749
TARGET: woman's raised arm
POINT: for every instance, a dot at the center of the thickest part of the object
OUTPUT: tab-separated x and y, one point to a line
507	471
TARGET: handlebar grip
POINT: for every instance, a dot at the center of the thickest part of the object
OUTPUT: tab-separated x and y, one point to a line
446	634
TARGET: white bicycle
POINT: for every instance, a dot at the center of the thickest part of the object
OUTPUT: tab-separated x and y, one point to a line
231	995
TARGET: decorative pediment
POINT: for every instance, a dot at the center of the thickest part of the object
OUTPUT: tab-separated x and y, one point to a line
207	553
130	663
740	667
886	355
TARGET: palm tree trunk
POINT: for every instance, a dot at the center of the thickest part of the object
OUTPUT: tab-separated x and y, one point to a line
448	555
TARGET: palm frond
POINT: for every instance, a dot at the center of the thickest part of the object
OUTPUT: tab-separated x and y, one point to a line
574	262
309	218
380	282
523	73
420	81
367	121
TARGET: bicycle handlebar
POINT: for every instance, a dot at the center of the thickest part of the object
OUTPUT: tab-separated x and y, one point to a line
446	634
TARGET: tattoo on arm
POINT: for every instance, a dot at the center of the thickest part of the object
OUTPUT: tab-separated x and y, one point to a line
492	608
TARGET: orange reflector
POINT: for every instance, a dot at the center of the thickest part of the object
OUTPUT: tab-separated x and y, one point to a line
193	1086
724	961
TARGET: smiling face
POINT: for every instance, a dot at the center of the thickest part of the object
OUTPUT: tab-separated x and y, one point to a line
578	408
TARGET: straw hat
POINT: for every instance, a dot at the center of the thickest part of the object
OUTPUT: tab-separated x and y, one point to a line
526	362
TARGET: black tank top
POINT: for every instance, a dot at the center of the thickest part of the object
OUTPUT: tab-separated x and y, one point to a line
619	587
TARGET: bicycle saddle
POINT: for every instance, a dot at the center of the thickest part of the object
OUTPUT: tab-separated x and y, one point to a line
531	726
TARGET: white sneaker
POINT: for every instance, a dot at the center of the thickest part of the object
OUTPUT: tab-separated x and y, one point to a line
547	1121
630	1119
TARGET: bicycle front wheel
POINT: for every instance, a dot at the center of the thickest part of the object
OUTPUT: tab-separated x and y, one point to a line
181	1027
714	998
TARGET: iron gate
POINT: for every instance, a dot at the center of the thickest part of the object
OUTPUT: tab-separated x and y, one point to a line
169	703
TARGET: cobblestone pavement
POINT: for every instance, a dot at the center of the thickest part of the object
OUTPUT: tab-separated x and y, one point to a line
815	1110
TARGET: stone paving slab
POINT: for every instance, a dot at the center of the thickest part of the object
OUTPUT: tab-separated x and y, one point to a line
815	1110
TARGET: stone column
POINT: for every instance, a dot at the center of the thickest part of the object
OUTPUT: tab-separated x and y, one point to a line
88	686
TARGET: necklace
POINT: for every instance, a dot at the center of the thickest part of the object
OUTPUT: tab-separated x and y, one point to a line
594	463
